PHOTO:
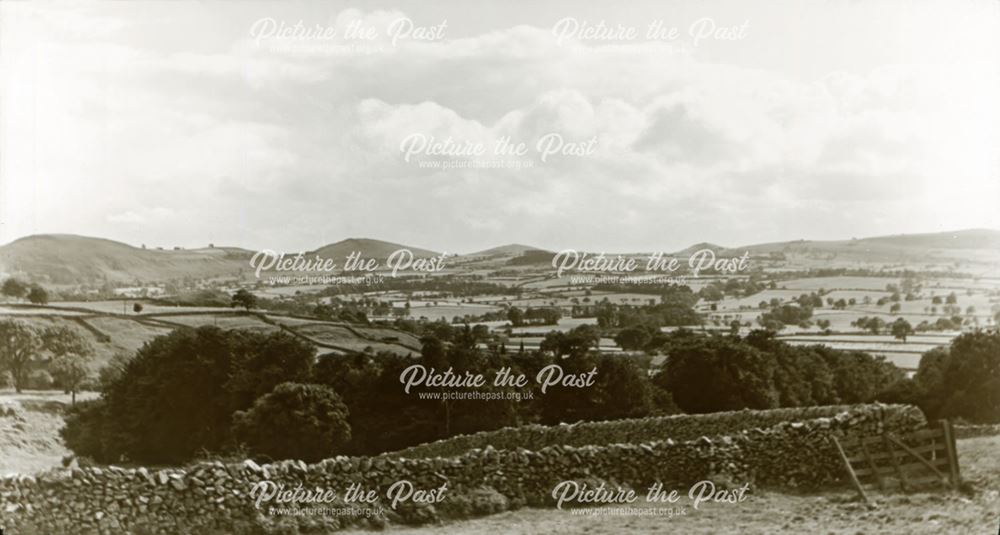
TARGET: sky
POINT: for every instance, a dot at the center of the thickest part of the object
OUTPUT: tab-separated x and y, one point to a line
458	126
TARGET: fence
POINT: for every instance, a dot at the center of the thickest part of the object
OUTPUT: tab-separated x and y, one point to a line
910	461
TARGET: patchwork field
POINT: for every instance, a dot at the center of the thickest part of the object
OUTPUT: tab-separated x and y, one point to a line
114	333
905	355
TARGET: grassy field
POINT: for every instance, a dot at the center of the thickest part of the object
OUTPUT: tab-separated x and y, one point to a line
765	512
29	430
447	310
847	283
112	333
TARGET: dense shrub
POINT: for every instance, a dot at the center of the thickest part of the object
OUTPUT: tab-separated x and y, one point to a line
962	381
295	421
717	373
709	374
178	394
786	315
40	380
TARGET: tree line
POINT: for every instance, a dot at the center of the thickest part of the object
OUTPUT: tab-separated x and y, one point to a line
62	353
269	396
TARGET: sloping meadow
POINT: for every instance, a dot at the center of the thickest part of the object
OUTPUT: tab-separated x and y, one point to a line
479	474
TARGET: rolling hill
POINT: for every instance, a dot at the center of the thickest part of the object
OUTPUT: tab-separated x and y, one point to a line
71	259
972	239
511	249
978	245
377	249
717	249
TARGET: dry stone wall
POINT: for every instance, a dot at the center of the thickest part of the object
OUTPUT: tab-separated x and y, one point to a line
676	427
214	497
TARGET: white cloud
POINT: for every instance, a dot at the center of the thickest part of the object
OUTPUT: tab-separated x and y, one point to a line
704	145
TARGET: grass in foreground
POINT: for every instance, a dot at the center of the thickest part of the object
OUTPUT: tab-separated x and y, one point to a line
765	513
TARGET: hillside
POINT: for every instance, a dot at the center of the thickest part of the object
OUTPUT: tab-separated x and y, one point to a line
110	333
29	430
717	249
963	239
71	259
369	248
974	239
511	249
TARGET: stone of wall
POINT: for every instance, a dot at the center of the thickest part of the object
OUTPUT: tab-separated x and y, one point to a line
676	427
213	497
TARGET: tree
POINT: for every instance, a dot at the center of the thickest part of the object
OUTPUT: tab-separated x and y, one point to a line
786	315
295	421
37	295
245	299
544	315
14	288
177	395
19	347
709	374
963	381
137	308
901	329
515	316
381	415
71	355
574	342
113	370
874	324
633	338
622	390
858	377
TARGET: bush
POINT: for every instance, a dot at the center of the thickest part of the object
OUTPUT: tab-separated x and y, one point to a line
962	381
178	394
717	373
40	380
708	374
295	421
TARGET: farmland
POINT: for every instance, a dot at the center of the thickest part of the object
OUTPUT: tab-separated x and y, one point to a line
111	334
939	284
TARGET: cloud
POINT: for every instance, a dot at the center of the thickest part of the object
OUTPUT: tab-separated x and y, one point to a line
293	147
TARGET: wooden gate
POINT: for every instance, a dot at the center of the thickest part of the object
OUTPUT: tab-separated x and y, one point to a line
918	459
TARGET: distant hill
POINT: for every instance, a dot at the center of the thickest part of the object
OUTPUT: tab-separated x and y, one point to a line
376	249
531	257
962	239
512	249
973	239
72	259
717	249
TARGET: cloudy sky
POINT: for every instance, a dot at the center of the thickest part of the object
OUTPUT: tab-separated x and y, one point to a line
181	123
